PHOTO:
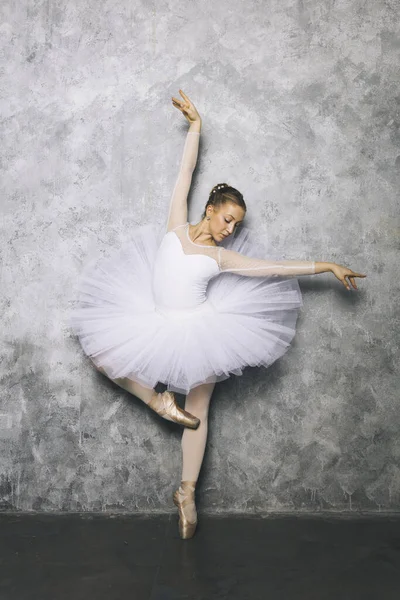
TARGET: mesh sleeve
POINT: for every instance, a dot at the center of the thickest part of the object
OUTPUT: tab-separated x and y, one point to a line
234	262
177	214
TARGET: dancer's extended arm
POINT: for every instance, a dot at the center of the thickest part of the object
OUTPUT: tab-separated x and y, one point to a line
234	262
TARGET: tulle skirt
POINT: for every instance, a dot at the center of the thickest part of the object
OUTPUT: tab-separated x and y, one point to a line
246	321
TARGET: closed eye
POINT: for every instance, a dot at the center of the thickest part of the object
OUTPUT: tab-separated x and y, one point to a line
236	224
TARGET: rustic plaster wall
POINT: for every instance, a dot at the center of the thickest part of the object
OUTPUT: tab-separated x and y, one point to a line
300	106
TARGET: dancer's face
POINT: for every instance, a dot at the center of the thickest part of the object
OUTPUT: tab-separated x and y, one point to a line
224	219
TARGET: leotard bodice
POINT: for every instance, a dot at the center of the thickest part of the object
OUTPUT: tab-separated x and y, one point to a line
180	280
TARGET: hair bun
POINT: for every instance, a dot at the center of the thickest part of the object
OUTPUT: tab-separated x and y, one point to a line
218	187
231	195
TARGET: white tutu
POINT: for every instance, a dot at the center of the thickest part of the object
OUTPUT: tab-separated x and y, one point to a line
245	321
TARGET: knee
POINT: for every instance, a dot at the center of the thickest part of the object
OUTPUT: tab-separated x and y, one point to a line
198	409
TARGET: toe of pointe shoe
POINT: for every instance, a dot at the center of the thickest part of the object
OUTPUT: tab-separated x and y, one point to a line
194	422
187	530
187	419
166	406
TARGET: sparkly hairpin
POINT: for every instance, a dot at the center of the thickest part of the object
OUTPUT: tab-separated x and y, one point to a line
219	187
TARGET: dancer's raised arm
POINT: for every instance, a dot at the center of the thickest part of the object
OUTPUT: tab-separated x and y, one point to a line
178	210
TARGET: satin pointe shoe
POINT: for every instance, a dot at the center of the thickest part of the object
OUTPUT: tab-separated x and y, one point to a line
165	405
182	497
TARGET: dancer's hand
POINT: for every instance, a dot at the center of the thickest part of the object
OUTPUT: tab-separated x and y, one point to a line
343	273
187	107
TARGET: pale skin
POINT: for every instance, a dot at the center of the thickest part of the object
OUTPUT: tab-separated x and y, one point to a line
225	218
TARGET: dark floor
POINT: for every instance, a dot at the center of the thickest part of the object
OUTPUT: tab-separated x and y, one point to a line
79	557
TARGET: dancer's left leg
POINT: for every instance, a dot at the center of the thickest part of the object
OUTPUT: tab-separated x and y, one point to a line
194	444
194	441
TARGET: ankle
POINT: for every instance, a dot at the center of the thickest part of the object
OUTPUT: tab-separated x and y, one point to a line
155	399
187	487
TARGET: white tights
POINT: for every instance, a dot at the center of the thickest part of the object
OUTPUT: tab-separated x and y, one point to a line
194	440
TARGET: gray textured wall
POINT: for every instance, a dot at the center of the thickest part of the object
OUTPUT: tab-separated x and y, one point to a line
300	106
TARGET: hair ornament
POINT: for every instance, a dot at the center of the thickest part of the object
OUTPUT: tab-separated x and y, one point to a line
219	187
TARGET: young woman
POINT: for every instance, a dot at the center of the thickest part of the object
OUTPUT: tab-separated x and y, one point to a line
188	307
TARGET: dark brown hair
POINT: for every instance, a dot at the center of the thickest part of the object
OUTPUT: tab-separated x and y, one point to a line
221	193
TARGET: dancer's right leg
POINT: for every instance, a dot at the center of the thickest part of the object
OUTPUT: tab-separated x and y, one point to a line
163	404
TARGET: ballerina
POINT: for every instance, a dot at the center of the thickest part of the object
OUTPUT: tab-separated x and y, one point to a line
189	306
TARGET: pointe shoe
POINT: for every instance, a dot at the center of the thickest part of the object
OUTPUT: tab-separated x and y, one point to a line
165	405
182	497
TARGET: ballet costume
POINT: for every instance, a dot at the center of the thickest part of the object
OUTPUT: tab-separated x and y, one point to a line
165	309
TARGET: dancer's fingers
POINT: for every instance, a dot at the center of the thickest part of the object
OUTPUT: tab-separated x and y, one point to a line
184	96
181	108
